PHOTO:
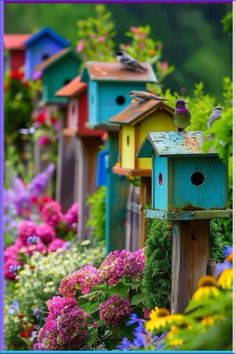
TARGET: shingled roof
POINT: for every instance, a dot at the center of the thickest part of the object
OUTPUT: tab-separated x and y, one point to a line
137	111
106	71
72	89
53	59
15	41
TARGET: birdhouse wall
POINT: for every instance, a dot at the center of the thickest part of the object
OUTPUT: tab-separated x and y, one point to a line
38	52
158	121
109	98
16	59
127	147
192	183
73	114
56	77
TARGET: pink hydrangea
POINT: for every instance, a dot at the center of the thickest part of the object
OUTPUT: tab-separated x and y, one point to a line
25	230
71	217
30	249
56	244
114	310
65	326
46	233
52	214
11	268
121	263
84	279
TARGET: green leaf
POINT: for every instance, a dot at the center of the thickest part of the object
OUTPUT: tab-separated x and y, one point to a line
138	299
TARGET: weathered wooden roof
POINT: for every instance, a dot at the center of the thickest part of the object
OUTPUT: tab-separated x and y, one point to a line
46	31
73	88
106	71
15	41
54	59
137	111
172	144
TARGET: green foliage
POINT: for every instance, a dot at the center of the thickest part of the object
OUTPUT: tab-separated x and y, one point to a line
96	36
227	22
96	219
157	272
220	237
37	282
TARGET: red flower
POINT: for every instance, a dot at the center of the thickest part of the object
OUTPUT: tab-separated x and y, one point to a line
16	75
53	120
41	118
26	333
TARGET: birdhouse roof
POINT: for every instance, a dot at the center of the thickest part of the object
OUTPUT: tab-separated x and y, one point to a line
72	89
138	111
106	71
15	41
47	32
54	59
174	144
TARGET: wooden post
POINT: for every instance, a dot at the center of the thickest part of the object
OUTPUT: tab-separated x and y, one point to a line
116	199
86	156
190	255
132	219
145	198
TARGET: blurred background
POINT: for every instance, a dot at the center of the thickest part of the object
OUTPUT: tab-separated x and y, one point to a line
196	38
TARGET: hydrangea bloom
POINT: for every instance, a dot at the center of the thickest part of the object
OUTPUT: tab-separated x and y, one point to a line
25	230
71	217
52	214
57	244
65	326
114	310
85	278
121	263
11	268
46	233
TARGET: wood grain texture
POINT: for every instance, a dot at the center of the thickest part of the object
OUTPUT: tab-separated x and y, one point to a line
190	255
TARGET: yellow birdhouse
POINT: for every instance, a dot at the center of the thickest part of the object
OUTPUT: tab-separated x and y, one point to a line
136	122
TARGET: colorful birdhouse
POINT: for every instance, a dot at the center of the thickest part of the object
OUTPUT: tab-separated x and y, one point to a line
136	122
40	46
109	86
184	177
55	72
15	48
102	167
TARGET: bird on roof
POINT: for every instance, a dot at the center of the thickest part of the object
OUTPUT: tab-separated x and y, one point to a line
182	115
143	96
128	62
215	115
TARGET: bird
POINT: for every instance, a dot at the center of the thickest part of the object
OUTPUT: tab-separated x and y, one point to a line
182	115
215	115
143	96
129	63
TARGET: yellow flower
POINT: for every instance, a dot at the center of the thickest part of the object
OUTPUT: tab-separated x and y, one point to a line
225	279
207	321
206	288
172	337
160	318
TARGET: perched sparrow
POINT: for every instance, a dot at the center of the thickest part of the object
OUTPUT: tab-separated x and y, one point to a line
215	115
143	96
128	62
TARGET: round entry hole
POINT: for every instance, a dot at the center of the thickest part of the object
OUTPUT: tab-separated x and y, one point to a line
197	178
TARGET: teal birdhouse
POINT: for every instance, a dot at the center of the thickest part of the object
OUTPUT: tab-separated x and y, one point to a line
184	177
56	72
109	86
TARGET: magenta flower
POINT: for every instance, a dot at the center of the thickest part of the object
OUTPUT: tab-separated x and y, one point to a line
43	140
11	268
26	229
56	245
51	213
71	217
114	310
80	46
46	233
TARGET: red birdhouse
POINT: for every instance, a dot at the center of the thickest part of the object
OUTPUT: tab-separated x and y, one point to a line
15	48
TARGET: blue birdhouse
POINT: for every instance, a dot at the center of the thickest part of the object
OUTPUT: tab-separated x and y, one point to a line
40	46
109	86
102	168
184	177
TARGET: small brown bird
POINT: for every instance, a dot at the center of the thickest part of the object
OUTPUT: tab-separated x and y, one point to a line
129	63
143	96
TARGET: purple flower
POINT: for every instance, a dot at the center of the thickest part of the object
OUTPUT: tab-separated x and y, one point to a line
227	251
222	266
32	240
124	345
13	308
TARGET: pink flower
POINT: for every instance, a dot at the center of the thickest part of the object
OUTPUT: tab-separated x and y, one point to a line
52	214
46	233
80	46
114	310
11	268
134	29
56	244
101	39
43	140
163	66
25	230
71	217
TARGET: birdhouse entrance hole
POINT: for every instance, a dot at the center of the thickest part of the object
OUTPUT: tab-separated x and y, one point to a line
45	57
120	100
66	81
197	178
160	179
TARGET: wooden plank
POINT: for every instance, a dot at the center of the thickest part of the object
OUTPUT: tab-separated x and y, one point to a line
86	162
187	215
116	199
190	255
145	198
